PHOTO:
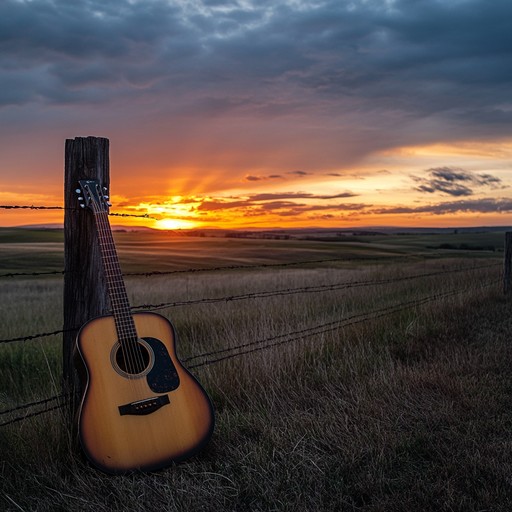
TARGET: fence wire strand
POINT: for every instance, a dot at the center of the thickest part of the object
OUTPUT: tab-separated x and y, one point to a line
39	335
226	267
207	269
32	414
33	207
304	289
19	274
44	401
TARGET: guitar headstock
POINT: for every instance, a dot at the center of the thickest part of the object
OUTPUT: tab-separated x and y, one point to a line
93	196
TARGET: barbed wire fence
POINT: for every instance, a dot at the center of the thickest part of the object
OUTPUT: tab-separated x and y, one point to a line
32	409
36	408
205	359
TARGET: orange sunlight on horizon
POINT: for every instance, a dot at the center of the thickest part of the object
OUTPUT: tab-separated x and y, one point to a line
431	185
393	188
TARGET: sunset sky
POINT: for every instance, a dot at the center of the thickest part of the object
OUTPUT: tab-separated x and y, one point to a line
263	113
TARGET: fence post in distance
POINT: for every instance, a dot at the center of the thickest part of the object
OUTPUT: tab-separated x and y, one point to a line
85	293
507	263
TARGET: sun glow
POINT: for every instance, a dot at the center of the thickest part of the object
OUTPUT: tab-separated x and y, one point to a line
175	224
170	213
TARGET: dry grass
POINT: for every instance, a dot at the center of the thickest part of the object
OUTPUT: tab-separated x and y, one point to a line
409	411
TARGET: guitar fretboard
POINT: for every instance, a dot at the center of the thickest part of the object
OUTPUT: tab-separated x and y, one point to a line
120	304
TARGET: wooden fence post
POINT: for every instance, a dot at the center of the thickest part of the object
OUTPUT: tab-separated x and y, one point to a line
507	264
85	293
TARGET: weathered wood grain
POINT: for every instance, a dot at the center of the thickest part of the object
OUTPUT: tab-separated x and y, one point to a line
85	292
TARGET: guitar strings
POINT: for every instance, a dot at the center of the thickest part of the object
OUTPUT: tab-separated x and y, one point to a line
124	321
107	267
131	353
122	327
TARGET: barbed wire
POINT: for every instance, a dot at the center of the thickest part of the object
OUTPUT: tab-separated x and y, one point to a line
303	289
64	400
267	343
18	274
143	216
262	295
32	207
233	267
38	335
193	270
31	404
261	265
220	268
207	269
32	415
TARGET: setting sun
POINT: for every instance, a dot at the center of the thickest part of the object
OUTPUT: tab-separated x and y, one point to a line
174	224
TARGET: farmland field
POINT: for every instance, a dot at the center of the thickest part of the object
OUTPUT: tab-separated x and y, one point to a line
149	251
364	372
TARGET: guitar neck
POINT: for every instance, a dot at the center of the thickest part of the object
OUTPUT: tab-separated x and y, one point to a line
116	288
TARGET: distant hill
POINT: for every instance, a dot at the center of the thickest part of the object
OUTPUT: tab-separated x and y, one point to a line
340	233
41	226
300	233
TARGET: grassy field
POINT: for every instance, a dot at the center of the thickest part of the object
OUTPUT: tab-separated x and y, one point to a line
147	251
340	408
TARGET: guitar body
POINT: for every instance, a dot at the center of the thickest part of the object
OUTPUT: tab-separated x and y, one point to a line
139	420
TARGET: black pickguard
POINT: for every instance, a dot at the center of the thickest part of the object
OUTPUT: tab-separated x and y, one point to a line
163	377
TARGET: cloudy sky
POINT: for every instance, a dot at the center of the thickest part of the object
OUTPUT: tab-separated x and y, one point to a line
264	112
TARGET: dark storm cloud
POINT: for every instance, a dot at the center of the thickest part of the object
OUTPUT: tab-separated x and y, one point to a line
454	181
362	48
89	51
351	77
424	56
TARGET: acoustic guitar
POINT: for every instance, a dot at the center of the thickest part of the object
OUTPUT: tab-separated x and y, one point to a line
140	408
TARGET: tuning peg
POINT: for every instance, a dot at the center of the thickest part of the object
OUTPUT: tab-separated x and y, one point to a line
78	191
80	198
109	204
82	205
105	197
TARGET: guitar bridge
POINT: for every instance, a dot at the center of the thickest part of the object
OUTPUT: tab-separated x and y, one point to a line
143	407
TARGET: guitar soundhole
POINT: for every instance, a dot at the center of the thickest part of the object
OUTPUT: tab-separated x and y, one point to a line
135	359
